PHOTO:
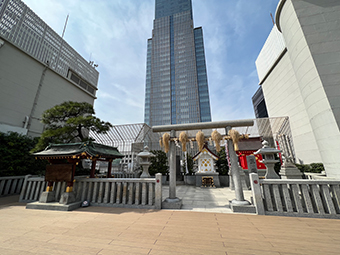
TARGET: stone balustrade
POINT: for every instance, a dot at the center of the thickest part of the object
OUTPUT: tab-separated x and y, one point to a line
125	175
11	185
114	192
302	198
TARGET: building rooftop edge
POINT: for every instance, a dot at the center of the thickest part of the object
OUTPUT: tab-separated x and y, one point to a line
278	13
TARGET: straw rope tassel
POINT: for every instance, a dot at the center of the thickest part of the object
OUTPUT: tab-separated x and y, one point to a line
166	140
217	137
183	138
200	140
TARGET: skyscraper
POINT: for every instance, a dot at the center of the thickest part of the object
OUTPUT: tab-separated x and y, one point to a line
176	79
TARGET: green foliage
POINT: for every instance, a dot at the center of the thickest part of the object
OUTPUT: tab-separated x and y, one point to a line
277	166
190	163
311	168
69	122
159	163
15	154
222	163
317	167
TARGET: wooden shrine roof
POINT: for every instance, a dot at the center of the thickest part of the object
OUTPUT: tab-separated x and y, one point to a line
79	150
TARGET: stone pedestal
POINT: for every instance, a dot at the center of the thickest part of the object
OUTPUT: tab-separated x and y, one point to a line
172	203
214	175
67	198
243	208
190	179
290	171
53	206
47	196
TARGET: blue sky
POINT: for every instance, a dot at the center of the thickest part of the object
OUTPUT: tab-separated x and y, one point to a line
114	33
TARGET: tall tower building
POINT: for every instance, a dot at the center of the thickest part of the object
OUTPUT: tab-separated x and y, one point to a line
176	78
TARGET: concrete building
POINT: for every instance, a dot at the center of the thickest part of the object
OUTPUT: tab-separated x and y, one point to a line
38	70
176	88
299	71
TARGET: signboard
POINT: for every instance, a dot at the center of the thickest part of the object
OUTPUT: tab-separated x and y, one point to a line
251	161
59	173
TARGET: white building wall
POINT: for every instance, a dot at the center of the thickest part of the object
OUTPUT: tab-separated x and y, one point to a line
305	83
311	85
283	98
20	75
320	23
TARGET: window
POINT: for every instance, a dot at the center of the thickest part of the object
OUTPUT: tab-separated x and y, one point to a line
81	82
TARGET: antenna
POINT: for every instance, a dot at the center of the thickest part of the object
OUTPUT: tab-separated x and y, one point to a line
65	26
271	15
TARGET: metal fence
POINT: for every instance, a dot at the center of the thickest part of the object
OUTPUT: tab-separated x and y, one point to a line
130	139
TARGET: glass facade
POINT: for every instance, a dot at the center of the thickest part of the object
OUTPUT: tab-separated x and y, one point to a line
176	79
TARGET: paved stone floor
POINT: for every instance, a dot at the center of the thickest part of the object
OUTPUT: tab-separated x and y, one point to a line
205	199
104	230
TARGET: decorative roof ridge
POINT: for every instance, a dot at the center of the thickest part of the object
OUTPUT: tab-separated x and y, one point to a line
205	147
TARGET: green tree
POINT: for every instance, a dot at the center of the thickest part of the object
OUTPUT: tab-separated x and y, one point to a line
70	122
159	163
15	155
222	163
311	168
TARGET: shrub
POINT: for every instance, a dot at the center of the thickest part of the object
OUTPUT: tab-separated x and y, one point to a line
317	167
311	168
15	155
222	163
159	163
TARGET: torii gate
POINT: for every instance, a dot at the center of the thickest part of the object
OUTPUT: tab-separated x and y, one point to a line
173	202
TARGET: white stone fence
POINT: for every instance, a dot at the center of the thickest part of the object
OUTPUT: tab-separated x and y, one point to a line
114	192
301	198
125	175
11	185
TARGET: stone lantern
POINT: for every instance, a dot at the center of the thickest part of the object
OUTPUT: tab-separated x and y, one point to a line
145	161
268	155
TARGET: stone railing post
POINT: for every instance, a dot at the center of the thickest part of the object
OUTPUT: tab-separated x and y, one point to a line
158	192
256	191
24	187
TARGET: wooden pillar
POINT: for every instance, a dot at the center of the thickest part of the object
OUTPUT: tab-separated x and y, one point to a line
93	168
49	186
109	169
70	184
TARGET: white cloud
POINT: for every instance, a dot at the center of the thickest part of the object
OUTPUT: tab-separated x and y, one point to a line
115	33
